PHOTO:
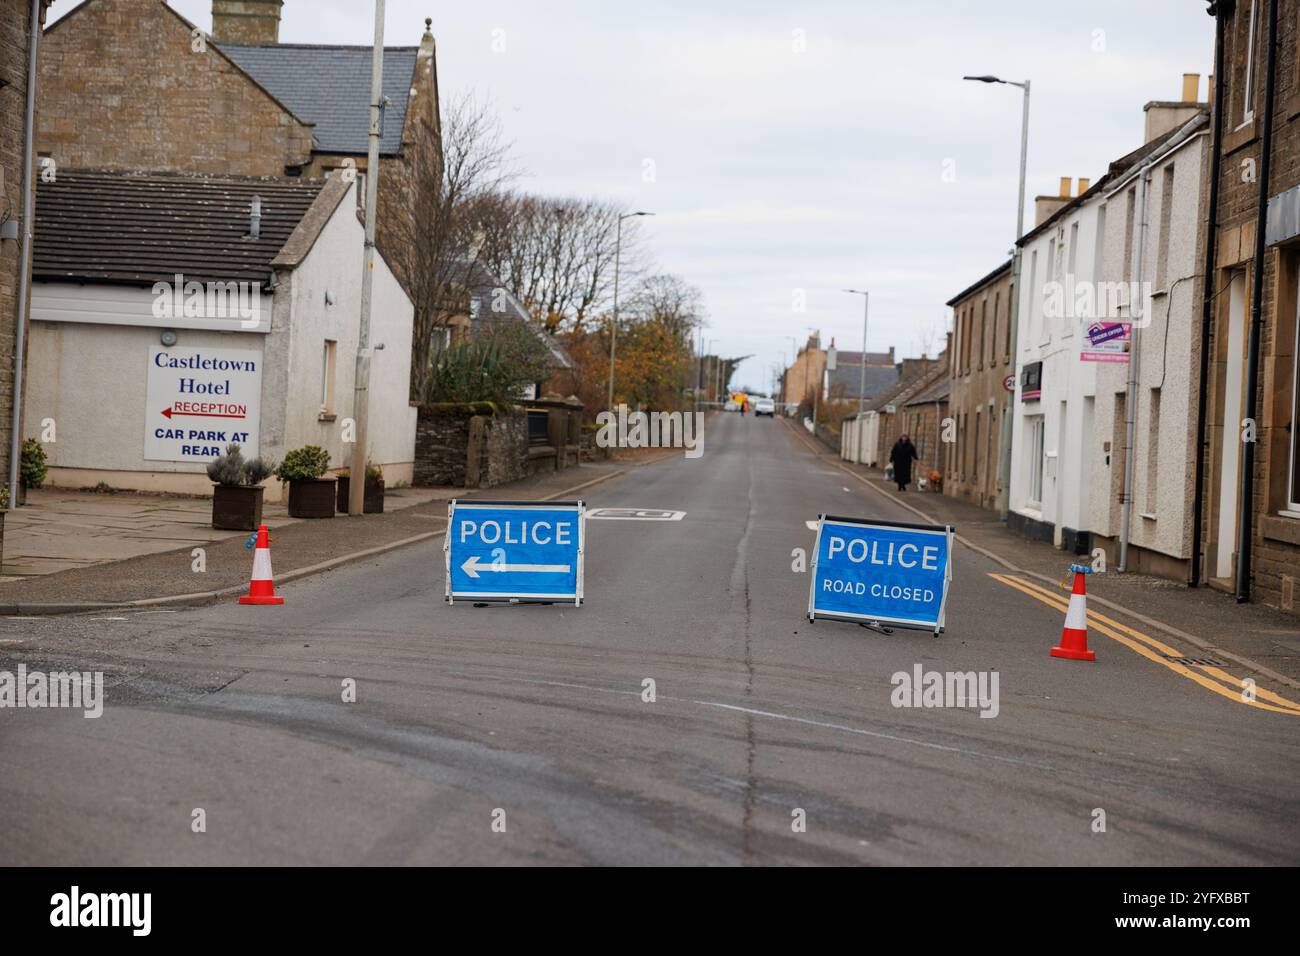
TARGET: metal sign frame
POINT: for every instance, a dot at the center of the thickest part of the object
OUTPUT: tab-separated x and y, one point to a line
503	597
868	619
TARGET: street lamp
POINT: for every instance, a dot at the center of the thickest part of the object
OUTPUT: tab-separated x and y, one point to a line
1004	452
613	328
862	376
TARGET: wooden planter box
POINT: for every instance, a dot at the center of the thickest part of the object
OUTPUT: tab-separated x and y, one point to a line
311	499
374	497
236	508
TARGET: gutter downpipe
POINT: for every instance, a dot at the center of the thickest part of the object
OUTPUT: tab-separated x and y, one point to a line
1130	403
24	258
1245	525
1220	10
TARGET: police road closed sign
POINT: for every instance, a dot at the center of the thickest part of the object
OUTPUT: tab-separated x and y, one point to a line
879	571
515	550
199	400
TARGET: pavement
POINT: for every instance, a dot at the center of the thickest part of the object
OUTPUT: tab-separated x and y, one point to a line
1264	638
164	573
59	529
766	739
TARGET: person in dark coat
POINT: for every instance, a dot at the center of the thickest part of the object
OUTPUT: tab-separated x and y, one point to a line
901	457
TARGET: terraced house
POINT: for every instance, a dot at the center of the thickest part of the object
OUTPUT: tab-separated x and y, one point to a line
1247	462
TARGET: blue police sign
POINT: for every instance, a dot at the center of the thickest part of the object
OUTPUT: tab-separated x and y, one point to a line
515	550
881	572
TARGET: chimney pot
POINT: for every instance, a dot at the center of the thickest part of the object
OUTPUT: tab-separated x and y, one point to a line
1065	186
255	218
1191	87
1083	185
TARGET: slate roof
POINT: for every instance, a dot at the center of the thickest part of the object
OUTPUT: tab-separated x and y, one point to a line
330	87
845	381
937	391
138	229
855	358
900	394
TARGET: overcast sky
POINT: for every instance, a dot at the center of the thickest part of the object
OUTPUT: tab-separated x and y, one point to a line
800	146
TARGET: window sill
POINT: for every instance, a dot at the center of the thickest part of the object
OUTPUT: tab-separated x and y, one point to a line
1284	527
326	417
1240	137
1147	515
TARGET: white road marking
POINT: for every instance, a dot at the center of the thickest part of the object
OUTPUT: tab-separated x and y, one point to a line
812	525
634	514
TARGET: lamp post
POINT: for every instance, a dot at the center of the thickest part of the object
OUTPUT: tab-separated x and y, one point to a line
862	376
613	327
1004	452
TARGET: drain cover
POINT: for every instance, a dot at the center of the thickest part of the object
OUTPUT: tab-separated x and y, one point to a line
1200	661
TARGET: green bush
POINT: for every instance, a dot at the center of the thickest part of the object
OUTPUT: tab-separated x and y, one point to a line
373	472
304	464
32	469
234	471
496	366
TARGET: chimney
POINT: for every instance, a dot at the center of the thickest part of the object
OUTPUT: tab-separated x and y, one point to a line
1083	186
1045	207
246	21
255	218
1163	116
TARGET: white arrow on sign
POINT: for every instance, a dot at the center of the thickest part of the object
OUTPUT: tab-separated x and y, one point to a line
472	567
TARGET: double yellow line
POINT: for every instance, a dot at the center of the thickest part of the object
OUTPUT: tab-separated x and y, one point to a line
1207	675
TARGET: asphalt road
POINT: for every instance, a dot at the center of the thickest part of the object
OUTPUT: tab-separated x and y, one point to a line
461	712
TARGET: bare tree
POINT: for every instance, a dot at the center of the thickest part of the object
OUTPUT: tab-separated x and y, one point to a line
433	219
557	255
671	300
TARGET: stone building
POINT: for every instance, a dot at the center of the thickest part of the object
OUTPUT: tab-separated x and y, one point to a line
922	419
133	85
15	261
1249	439
979	364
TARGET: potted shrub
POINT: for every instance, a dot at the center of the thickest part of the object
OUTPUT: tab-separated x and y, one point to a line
311	494
32	470
237	491
374	497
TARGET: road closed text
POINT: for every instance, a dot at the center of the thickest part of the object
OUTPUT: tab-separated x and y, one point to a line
892	592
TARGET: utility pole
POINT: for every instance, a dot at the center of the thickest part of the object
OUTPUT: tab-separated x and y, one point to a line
361	386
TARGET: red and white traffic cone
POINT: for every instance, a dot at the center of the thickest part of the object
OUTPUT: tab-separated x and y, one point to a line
261	588
1074	637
